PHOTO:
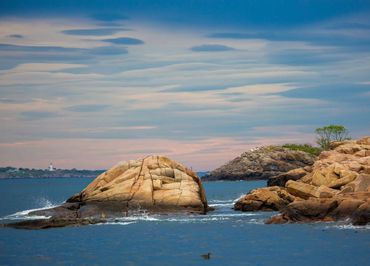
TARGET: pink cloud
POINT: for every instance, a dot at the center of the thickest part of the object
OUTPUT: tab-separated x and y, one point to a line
205	154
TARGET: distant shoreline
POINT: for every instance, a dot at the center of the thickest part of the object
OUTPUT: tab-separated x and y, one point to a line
26	173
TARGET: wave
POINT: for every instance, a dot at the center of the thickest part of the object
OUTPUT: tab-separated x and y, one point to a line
23	215
194	220
256	221
221	201
348	227
238	198
241	214
116	223
221	205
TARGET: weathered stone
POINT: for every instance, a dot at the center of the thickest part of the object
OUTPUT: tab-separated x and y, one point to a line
261	163
306	211
323	178
136	182
281	179
264	199
357	208
360	184
345	177
306	191
362	215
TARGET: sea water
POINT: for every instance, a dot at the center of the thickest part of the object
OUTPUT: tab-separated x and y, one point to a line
232	238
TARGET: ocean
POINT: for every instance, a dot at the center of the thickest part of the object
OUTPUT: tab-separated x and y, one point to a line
231	238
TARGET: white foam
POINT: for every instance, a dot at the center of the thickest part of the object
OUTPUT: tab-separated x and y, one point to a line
349	227
234	214
256	221
221	201
23	215
195	220
221	205
116	223
137	218
240	197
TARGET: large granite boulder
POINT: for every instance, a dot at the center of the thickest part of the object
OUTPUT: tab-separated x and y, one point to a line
336	187
154	184
261	163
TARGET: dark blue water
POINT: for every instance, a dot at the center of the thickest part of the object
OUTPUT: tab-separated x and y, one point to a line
233	238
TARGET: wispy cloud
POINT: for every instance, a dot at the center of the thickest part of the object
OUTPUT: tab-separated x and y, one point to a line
35	115
18	36
94	32
211	48
124	40
87	108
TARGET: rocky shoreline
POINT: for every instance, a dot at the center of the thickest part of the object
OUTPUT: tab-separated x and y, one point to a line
20	173
260	164
336	187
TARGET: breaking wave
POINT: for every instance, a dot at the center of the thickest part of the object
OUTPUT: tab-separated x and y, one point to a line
23	215
349	227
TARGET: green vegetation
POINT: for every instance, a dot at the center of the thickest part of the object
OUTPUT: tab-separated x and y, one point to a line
271	148
303	147
328	134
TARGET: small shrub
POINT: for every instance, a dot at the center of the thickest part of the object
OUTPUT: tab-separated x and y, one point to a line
303	147
328	134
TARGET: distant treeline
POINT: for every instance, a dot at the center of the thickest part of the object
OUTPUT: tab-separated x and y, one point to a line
12	172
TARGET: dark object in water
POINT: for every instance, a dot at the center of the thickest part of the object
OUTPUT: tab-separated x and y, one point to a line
206	256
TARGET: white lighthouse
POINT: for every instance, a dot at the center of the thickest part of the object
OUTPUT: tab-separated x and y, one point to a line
51	168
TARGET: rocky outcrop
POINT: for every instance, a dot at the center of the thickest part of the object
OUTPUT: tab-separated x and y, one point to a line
337	187
264	199
355	207
261	163
154	184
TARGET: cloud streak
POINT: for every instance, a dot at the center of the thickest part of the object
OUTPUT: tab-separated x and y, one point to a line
125	41
93	32
211	48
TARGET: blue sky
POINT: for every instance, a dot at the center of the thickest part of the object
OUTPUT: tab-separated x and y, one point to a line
88	83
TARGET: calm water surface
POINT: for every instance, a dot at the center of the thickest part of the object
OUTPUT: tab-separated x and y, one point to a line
232	238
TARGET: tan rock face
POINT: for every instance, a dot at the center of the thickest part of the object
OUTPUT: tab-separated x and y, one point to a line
306	191
355	207
264	199
294	174
153	182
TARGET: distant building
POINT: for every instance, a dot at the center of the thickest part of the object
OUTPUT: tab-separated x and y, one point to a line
51	168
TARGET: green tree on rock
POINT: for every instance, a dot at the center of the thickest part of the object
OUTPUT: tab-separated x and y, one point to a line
328	134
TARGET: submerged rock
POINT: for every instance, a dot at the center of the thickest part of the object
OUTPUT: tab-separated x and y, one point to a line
337	187
261	163
154	184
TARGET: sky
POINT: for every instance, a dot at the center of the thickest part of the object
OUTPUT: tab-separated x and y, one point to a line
85	84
